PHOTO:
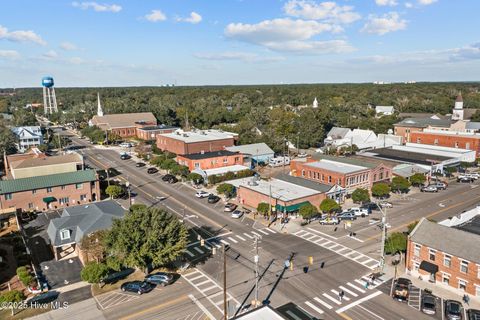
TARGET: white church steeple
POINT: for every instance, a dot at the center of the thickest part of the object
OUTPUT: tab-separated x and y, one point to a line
99	106
457	113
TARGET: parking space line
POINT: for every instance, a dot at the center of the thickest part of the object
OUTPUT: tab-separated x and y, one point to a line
224	242
189	253
243	239
198	250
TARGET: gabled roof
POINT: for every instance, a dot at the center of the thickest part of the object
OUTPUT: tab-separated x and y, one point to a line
83	220
123	120
424	122
254	149
27	132
384	109
452	241
52	180
338	133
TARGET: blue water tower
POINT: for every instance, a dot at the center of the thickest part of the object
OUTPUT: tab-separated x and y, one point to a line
47	82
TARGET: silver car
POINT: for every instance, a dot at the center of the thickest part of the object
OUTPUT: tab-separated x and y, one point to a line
237	214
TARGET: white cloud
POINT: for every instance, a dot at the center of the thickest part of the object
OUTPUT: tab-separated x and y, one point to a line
9	54
408	5
194	18
242	56
389	22
51	54
426	2
21	36
390	3
76	60
288	35
328	11
68	46
97	7
155	16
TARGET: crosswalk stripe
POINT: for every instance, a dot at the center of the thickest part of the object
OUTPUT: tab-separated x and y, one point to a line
348	291
360	282
243	239
215	294
311	305
310	237
343	249
189	253
338	294
299	232
331	247
210	288
257	234
198	250
355	287
203	282
331	299
233	240
271	230
224	242
262	231
190	274
247	235
323	303
360	257
197	277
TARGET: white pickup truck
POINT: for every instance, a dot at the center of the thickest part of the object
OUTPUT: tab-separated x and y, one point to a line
359	212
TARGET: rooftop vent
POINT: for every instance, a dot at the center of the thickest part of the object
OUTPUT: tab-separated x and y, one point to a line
185	135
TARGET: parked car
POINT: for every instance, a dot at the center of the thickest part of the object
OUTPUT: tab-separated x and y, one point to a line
213	198
139	164
139	287
428	304
385	204
170	178
465	179
237	214
329	220
370	206
473	175
473	314
441	185
346	216
229	207
159	278
453	310
202	194
126	145
152	170
429	188
359	212
125	156
402	289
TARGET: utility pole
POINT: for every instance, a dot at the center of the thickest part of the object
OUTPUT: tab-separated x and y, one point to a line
225	312
256	271
384	231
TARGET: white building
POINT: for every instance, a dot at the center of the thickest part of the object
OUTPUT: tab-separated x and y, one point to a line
384	110
27	137
363	139
457	113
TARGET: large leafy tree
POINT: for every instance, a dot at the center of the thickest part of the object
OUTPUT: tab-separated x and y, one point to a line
263	208
417	179
308	211
360	195
380	190
227	189
329	205
397	241
7	141
93	245
114	191
400	184
147	237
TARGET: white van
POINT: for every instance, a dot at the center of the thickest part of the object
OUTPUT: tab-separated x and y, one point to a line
278	161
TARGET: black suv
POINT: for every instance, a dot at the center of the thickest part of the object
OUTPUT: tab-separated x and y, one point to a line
138	287
170	178
152	170
213	198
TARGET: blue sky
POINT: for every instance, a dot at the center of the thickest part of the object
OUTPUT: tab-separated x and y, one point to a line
204	42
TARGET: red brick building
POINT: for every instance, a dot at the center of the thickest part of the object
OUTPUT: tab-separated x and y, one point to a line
445	255
150	133
347	173
50	191
448	139
124	124
196	141
210	160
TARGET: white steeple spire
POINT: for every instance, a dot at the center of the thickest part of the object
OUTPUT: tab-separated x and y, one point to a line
315	103
99	107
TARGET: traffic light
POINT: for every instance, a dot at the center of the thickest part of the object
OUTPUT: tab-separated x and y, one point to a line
202	242
310	260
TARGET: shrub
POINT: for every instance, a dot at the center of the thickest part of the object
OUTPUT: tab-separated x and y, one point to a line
24	275
195	178
263	208
12	296
114	191
93	272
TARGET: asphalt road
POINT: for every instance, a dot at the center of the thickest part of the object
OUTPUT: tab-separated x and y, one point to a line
335	267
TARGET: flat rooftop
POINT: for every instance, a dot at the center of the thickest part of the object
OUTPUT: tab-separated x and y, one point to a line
472	226
159	127
47	161
406	156
336	166
281	190
199	135
207	155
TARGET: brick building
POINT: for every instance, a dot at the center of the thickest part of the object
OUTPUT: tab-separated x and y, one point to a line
124	124
468	141
150	133
347	173
195	141
210	160
50	191
445	255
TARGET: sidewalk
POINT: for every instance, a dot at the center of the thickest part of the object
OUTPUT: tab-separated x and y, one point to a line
72	287
84	310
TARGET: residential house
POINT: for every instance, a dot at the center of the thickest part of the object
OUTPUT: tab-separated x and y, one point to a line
254	153
384	110
363	139
27	137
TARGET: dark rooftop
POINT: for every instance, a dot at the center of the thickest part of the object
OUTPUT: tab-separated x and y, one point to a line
407	156
206	155
159	127
472	226
424	122
304	182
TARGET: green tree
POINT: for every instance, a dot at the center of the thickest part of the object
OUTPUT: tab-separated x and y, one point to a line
157	161
195	178
12	296
93	245
417	179
147	238
7	141
329	205
94	272
23	117
360	195
411	226
168	164
179	170
137	207
114	191
263	208
308	211
380	190
400	184
24	275
227	189
397	241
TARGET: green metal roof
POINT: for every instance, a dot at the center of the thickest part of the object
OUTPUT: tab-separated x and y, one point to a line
52	180
49	199
293	207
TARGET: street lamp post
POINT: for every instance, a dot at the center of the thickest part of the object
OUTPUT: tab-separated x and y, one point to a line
384	231
127	184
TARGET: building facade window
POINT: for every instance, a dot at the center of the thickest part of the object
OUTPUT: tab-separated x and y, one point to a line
416	250
416	265
447	261
477	290
464	266
467	145
65	234
8	196
63	187
329	179
64	200
435	142
431	254
456	144
30	205
446	278
83	197
78	185
303	173
196	165
34	191
225	160
49	189
419	140
462	284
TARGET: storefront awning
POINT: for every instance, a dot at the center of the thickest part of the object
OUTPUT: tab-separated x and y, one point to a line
291	208
49	199
429	267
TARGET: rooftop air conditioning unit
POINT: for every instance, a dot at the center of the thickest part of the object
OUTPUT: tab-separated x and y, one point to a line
252	182
185	135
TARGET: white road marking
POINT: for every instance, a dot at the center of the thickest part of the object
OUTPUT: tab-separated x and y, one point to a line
355	303
348	291
271	230
355	287
373	314
233	240
243	239
198	250
362	283
210	288
323	303
202	283
261	230
320	311
247	235
338	294
335	300
205	311
224	242
189	253
257	234
323	234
